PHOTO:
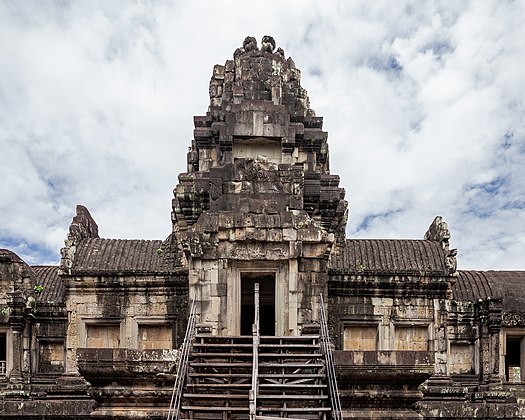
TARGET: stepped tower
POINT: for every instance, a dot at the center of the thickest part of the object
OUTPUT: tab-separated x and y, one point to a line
258	202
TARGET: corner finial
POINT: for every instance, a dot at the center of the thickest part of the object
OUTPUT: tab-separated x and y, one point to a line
249	44
438	231
267	44
82	226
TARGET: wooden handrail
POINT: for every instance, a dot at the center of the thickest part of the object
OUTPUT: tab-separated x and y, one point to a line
326	348
254	391
182	366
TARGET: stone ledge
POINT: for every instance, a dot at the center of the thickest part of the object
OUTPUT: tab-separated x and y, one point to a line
383	366
122	365
56	409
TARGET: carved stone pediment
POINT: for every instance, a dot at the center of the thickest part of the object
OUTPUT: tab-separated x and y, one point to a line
513	319
258	251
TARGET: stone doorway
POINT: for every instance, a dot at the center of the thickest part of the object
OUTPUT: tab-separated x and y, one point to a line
513	359
266	302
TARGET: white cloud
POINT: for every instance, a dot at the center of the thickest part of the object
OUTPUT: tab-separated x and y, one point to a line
423	102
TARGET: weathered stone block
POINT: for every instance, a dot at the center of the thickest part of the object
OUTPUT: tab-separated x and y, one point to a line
289	234
218	71
274	235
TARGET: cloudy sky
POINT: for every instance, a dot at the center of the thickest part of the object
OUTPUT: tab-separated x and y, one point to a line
424	103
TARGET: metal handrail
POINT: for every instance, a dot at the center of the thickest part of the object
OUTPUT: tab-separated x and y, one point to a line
182	366
255	365
326	348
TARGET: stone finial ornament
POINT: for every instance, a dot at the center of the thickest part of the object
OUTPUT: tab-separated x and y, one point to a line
268	44
280	52
438	231
82	226
258	74
249	44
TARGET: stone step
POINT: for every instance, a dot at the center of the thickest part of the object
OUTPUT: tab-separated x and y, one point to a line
222	396
220	355
289	341
215	408
206	415
307	345
294	397
292	386
291	365
293	409
270	376
262	386
290	378
314	417
223	345
277	356
220	386
292	355
217	416
224	338
220	364
267	338
219	375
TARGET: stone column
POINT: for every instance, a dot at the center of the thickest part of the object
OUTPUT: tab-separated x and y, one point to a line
16	303
16	373
494	327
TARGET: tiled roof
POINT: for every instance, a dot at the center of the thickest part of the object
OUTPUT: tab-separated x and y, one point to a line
506	285
473	285
390	256
8	255
53	288
119	256
513	283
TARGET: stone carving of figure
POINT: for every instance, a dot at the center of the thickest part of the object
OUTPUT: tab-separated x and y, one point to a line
280	52
267	44
249	44
452	260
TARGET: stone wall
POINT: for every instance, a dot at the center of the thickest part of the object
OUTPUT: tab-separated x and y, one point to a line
390	332
123	304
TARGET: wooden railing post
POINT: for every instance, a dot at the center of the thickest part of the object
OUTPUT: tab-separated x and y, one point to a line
255	365
326	348
182	366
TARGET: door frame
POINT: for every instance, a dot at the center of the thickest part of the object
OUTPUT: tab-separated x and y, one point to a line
281	293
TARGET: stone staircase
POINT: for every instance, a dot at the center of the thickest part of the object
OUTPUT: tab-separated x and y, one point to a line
291	378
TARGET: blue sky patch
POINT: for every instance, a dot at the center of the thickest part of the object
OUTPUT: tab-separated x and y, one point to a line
31	253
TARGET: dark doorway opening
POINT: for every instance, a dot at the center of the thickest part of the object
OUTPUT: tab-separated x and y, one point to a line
513	360
3	354
266	302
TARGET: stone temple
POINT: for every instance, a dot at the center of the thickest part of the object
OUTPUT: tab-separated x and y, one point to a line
156	329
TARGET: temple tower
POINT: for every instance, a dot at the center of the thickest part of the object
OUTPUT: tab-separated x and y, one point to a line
258	202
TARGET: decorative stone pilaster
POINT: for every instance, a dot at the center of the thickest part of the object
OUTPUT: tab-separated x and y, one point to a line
16	305
490	317
494	326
